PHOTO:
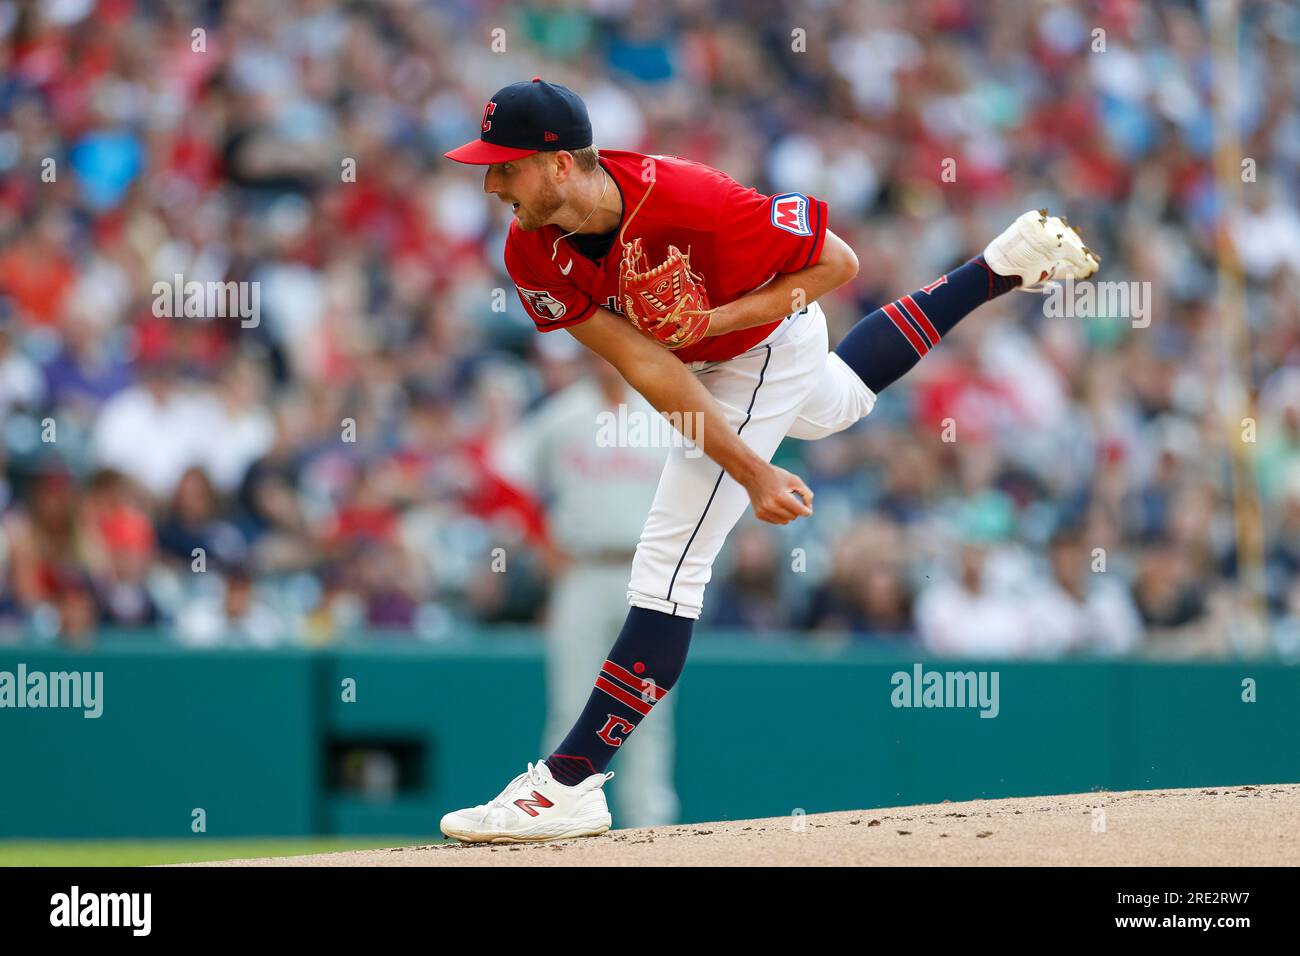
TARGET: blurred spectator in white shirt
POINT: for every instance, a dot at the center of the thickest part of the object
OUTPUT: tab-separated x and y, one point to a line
234	615
1266	233
155	430
246	430
1078	609
970	618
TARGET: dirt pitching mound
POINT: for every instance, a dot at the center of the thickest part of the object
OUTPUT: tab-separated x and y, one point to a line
1212	826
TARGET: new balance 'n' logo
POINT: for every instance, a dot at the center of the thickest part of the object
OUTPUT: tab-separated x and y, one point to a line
531	807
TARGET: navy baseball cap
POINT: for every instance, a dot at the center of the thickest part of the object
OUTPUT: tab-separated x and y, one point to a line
526	118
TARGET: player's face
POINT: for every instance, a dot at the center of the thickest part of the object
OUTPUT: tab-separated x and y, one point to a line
527	186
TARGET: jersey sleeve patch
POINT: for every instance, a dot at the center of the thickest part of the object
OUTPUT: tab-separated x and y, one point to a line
544	305
790	212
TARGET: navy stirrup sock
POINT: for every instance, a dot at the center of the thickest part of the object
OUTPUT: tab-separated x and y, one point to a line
884	345
643	665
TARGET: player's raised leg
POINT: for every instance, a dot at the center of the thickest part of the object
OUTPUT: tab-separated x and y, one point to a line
1035	249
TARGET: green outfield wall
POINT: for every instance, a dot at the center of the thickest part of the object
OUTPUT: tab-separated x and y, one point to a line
264	743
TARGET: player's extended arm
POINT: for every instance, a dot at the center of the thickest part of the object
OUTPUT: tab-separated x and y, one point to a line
786	293
670	387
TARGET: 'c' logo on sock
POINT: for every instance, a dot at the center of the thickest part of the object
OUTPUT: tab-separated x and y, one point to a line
613	724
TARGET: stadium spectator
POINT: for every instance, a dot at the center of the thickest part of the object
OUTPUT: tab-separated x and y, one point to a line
866	595
1080	608
193	528
971	616
748	596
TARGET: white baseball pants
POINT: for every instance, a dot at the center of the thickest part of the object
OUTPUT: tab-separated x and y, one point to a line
791	385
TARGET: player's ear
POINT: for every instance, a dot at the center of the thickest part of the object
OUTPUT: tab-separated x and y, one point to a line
564	164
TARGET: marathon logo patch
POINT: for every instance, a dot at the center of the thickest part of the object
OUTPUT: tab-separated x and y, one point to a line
544	305
790	212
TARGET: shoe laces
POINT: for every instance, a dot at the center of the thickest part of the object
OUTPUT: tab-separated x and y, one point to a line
533	775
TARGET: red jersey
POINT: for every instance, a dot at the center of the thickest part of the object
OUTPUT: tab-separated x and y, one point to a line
738	240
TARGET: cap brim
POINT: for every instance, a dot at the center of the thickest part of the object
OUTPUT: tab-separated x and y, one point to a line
479	153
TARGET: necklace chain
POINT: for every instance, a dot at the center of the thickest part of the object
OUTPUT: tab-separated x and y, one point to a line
555	247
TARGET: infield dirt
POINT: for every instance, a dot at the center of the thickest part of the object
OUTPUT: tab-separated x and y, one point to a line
1207	826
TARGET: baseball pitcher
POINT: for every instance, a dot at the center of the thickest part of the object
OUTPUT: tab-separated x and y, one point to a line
704	295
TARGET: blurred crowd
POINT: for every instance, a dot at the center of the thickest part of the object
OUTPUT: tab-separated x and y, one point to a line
1038	486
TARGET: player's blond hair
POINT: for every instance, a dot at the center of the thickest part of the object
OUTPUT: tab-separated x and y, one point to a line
586	158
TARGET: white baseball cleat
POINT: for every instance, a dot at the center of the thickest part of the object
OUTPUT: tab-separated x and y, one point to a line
1041	248
535	807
